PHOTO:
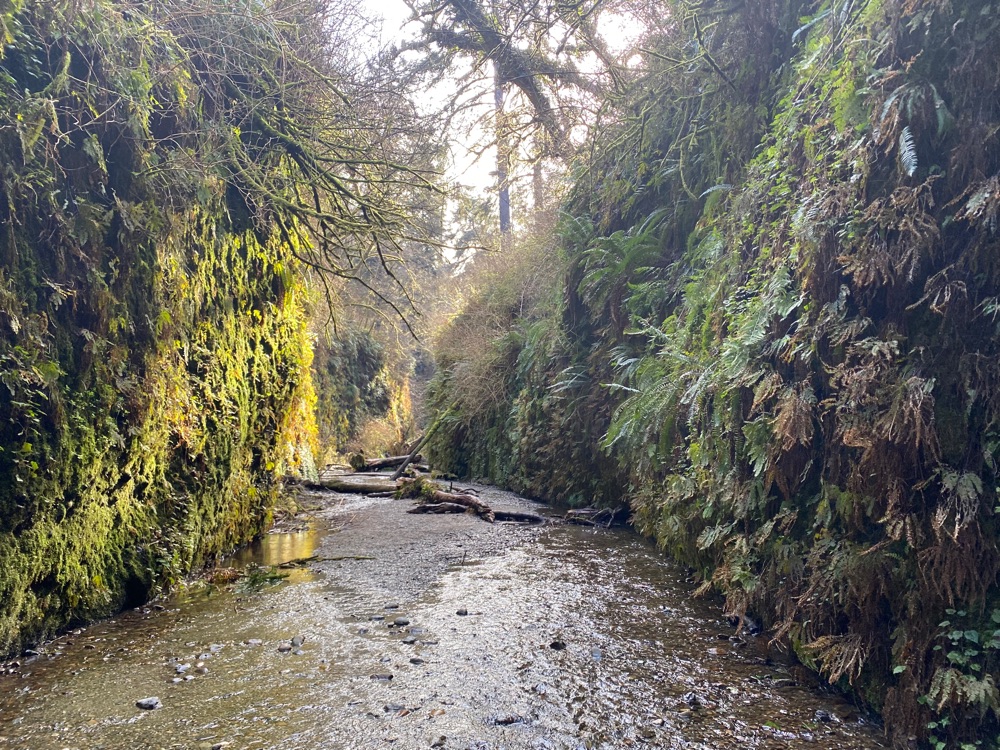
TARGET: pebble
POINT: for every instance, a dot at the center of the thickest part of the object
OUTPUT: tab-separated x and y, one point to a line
400	622
149	704
298	652
393	708
409	641
557	646
416	660
202	670
284	648
298	640
691	699
377	618
462	612
440	741
382	677
392	606
182	668
215	648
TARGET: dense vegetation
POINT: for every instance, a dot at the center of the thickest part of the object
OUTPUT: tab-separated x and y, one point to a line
172	173
775	336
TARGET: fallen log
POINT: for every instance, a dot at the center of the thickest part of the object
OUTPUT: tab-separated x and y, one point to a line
438	508
518	517
420	443
363	486
360	463
468	501
430	497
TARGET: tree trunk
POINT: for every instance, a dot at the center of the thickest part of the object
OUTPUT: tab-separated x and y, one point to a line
360	463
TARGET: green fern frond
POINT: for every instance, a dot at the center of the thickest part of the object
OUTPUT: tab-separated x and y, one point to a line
907	151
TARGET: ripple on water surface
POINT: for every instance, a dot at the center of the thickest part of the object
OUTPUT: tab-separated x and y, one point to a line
575	639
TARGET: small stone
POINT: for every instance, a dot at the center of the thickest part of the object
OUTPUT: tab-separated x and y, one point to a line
382	677
557	646
216	648
416	660
182	668
392	708
298	652
202	670
149	704
362	631
175	680
400	622
284	648
254	642
462	612
823	716
596	654
440	741
377	618
298	640
392	606
188	677
221	745
409	641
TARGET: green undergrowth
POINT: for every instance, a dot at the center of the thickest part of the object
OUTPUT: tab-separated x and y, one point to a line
778	314
153	349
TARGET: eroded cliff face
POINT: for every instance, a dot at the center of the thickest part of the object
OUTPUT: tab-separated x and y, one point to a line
778	322
153	351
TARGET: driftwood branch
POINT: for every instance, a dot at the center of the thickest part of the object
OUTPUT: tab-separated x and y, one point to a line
430	497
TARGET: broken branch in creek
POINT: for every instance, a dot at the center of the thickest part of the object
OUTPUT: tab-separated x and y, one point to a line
430	497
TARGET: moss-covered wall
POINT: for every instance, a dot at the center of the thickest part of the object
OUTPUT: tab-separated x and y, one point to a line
783	268
153	354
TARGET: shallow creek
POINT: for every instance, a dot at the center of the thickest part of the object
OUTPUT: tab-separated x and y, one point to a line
573	638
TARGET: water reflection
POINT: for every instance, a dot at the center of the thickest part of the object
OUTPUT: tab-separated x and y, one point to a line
578	640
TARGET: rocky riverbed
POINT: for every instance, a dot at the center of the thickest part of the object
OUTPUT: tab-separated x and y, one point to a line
425	632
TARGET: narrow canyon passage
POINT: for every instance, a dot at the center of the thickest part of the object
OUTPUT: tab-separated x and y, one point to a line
417	632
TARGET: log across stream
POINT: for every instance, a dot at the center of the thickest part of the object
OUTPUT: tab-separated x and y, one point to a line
402	631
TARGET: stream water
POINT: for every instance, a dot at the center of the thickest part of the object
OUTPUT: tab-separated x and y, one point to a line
543	638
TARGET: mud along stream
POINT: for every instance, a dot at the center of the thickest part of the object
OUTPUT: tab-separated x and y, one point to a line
569	638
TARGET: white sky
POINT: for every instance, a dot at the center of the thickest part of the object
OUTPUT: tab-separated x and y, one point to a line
618	31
